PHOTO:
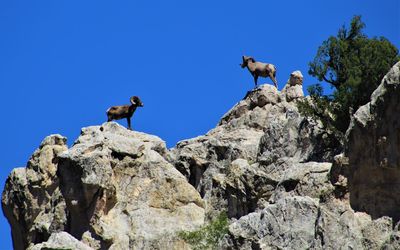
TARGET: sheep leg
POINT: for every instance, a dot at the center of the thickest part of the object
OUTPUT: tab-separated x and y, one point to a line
273	79
129	123
255	79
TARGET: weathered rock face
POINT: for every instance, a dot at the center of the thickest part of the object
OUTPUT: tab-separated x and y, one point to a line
32	200
113	189
279	225
373	151
278	175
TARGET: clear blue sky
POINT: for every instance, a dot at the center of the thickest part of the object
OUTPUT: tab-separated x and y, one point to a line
63	63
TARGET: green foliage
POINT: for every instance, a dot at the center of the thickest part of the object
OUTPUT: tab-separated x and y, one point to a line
354	66
321	107
207	237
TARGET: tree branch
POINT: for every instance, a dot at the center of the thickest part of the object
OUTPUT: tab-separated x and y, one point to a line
334	83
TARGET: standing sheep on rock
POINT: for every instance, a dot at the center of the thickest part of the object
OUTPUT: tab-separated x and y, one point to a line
259	69
124	111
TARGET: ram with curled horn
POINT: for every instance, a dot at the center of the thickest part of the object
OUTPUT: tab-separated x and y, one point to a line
124	111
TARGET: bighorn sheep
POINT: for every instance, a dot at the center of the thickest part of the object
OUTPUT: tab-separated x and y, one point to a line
259	69
124	111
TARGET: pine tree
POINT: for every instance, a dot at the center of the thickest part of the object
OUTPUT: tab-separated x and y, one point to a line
354	66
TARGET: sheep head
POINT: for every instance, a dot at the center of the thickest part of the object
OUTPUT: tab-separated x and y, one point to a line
246	60
135	100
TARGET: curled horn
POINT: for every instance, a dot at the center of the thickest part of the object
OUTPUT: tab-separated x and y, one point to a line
133	100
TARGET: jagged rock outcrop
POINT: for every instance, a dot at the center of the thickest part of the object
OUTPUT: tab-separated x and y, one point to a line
112	189
277	174
354	204
253	150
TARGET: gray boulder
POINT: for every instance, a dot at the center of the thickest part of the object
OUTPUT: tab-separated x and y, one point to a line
294	87
61	240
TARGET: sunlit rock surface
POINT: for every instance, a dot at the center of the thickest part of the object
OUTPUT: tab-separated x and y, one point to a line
279	176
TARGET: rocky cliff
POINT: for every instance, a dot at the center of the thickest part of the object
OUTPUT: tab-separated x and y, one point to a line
280	177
